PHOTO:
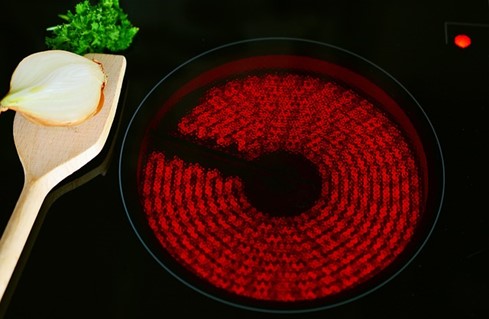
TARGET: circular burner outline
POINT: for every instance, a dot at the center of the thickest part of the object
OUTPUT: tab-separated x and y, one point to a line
437	153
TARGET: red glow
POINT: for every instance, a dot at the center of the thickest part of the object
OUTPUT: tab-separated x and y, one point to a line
462	41
366	215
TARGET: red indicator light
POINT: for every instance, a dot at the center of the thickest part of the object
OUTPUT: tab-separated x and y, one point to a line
462	41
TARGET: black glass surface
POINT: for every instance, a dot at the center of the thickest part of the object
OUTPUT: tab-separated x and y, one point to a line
85	261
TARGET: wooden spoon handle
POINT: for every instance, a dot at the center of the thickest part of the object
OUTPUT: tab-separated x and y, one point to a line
18	228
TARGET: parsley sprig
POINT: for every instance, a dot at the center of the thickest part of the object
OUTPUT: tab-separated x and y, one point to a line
93	28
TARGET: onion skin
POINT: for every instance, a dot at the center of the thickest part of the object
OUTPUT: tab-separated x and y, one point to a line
56	88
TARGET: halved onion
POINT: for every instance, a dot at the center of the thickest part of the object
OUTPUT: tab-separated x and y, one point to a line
56	87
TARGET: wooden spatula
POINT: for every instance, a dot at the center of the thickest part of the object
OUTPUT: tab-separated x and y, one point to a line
50	154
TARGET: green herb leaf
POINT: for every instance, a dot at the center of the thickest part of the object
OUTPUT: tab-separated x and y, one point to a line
93	28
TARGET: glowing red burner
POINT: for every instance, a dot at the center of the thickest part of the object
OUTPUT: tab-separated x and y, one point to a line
367	194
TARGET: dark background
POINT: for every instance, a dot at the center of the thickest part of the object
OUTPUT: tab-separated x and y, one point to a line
86	262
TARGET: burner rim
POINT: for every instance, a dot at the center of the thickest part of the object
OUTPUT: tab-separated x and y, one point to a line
437	206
